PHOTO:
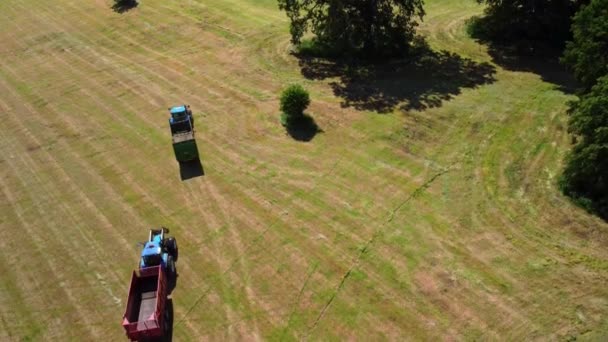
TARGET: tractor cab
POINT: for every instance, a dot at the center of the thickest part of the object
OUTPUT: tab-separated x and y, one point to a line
181	119
159	250
178	113
152	255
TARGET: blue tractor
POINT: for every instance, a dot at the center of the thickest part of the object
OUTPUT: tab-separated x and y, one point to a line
161	250
181	119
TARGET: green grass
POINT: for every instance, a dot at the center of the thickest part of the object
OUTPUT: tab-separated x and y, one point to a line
488	250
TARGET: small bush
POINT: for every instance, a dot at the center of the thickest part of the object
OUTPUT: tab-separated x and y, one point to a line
294	101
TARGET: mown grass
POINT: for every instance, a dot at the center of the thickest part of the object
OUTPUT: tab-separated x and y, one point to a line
489	249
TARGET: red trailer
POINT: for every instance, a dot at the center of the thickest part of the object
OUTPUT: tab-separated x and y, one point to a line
147	314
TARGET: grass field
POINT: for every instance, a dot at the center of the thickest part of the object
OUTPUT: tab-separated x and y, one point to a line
438	218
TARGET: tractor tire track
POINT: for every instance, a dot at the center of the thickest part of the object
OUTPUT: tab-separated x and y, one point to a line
370	242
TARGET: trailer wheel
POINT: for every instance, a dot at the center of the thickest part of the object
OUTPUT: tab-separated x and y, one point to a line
168	319
172	248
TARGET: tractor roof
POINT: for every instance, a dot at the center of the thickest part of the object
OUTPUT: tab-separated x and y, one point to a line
151	248
178	109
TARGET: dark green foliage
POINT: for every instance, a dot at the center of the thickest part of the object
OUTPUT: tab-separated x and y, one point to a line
587	53
585	177
313	47
294	101
370	28
526	22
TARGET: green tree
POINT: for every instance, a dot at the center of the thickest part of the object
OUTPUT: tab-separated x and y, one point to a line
533	21
372	27
294	101
585	177
587	53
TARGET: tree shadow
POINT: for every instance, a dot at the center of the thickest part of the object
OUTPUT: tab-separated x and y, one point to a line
423	80
303	129
191	169
538	57
537	60
122	6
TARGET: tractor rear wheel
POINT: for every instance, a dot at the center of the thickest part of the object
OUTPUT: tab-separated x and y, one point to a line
172	248
171	266
171	274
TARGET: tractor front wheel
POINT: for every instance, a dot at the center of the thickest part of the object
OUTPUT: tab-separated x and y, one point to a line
172	248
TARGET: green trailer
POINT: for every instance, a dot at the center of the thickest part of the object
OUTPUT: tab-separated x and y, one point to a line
184	146
181	122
